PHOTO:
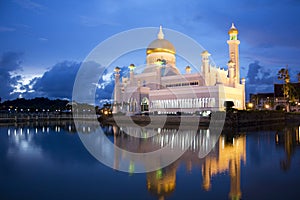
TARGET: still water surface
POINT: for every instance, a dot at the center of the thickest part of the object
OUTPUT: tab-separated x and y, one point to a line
49	161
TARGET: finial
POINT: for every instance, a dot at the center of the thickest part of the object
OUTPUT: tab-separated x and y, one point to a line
160	34
232	26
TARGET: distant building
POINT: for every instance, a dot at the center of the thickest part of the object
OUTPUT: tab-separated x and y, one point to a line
163	89
277	100
281	99
262	101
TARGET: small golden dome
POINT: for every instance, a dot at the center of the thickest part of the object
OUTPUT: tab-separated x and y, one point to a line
233	30
117	69
131	67
205	53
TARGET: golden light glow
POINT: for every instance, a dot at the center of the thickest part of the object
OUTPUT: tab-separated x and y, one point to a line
250	105
131	67
233	31
267	106
155	50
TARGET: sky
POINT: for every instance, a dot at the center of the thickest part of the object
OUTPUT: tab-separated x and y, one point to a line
43	43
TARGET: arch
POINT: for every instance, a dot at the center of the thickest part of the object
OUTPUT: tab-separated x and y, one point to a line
145	104
280	107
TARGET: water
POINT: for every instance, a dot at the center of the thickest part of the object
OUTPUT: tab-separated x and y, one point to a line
49	161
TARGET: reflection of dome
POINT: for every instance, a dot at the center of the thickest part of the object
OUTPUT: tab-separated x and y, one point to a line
161	45
233	30
162	182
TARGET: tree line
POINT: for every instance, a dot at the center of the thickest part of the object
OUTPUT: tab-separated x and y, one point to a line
33	105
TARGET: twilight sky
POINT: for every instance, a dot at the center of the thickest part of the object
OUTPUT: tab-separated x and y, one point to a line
42	43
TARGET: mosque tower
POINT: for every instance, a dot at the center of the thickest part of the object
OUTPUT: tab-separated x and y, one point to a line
233	44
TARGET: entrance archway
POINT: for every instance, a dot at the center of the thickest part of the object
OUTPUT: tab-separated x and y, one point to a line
145	104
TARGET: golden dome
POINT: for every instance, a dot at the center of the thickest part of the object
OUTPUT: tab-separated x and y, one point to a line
205	53
233	30
160	45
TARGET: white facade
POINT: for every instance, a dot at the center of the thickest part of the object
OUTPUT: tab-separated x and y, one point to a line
162	88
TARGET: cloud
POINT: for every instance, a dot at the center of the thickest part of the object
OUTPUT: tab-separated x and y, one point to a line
55	83
42	39
9	62
261	79
105	87
258	74
30	5
6	29
96	21
59	80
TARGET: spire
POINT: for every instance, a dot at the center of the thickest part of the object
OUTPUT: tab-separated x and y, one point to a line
160	34
232	26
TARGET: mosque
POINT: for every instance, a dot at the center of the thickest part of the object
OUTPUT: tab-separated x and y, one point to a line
161	88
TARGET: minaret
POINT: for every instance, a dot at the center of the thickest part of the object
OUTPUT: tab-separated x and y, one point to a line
233	43
205	67
131	73
117	97
231	72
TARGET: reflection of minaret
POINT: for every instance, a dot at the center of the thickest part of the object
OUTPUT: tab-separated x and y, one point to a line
206	173
230	156
163	181
235	179
116	153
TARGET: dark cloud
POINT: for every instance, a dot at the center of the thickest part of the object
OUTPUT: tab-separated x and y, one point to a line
9	62
58	82
257	74
55	83
260	79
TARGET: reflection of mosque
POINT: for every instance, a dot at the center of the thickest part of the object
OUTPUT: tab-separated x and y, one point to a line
162	182
229	159
41	126
226	155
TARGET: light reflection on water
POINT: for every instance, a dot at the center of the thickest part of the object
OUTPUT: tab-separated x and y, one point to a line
248	165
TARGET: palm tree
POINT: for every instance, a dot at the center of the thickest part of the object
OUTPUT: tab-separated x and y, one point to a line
283	74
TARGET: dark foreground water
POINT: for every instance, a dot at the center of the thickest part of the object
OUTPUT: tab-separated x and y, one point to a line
49	161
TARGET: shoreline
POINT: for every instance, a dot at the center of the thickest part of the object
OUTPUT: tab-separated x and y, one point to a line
233	120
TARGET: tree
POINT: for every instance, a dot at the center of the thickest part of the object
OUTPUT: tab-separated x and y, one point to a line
288	90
